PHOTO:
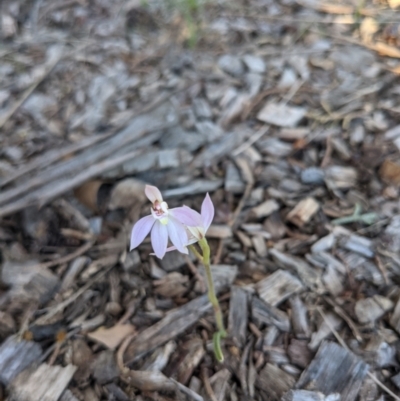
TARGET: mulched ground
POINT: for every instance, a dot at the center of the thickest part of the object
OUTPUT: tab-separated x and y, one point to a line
286	113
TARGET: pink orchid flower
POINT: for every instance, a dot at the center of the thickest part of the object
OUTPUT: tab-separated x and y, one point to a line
164	223
198	232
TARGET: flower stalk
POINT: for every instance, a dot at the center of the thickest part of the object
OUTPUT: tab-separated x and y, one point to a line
221	333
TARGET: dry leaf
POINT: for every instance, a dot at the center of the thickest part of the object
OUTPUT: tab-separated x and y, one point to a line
390	172
368	29
345	19
394	3
113	336
385	50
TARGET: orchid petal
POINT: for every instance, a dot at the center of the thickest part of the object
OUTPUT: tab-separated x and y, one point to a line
153	193
177	234
207	212
140	230
159	239
186	216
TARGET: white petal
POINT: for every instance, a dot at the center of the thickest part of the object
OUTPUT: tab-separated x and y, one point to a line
177	234
140	230
159	239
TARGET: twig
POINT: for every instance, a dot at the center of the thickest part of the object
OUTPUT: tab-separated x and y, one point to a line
52	156
241	204
328	152
293	90
218	254
253	139
121	352
207	384
382	268
80	251
346	318
190	393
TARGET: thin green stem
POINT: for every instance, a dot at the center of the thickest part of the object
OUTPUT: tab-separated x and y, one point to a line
214	300
196	253
221	333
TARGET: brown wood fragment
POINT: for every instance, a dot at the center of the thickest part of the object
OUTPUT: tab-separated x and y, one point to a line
238	315
194	353
299	353
277	287
303	212
345	371
15	356
274	381
390	172
45	383
265	313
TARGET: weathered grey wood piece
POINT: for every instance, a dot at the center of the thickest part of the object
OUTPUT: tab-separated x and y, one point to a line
395	319
68	396
267	314
238	315
334	370
15	356
274	381
305	395
29	282
308	275
45	383
67	174
277	287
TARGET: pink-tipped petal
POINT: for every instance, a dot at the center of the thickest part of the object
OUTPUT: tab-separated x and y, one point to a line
207	212
159	239
140	230
177	234
186	216
153	193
